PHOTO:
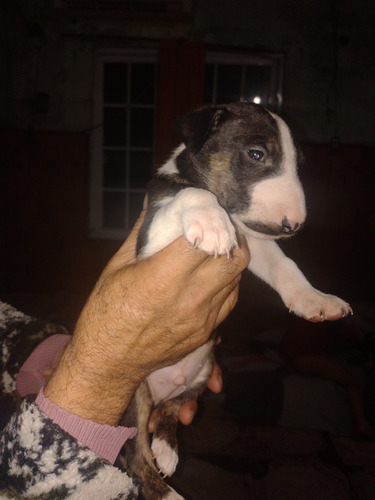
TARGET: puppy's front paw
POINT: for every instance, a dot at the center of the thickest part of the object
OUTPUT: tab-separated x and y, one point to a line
209	229
165	456
318	306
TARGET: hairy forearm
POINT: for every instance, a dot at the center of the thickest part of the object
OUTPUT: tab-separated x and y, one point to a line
83	385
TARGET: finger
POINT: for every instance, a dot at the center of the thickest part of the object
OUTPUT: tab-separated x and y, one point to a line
151	422
215	382
187	412
127	253
215	274
225	300
190	265
183	258
131	241
212	313
145	202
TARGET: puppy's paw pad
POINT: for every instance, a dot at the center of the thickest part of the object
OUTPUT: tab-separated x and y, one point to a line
318	306
166	458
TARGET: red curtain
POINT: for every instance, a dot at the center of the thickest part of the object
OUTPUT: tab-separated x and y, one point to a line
181	81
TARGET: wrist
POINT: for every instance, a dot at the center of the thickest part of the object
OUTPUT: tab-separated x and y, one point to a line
84	386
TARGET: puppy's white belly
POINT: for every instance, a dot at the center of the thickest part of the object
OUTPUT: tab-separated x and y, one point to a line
173	380
195	213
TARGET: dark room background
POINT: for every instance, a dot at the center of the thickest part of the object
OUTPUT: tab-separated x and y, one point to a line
89	92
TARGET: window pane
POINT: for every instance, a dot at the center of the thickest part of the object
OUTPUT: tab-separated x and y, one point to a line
114	210
257	83
114	169
122	160
229	83
209	72
114	126
143	83
140	169
115	82
135	207
142	128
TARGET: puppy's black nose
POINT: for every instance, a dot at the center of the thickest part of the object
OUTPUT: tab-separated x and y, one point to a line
288	227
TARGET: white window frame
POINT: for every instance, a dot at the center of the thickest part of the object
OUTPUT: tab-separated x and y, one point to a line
96	225
274	61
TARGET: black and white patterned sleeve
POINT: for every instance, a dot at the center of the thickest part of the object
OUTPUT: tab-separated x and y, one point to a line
38	460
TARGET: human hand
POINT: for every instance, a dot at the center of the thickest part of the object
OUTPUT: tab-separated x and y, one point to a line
141	316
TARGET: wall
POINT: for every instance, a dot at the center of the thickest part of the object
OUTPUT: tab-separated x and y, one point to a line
44	196
328	47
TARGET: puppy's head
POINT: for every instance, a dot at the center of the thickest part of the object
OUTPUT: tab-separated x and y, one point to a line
246	156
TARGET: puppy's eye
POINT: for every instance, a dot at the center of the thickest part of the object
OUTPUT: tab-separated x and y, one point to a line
256	155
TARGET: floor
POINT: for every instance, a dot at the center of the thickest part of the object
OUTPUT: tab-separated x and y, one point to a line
225	459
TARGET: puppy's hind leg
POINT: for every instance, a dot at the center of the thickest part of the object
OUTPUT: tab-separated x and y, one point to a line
164	442
138	456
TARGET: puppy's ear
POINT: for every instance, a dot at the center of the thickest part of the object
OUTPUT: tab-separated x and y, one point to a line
195	127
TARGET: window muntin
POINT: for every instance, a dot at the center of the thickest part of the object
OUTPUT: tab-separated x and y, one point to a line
122	140
230	78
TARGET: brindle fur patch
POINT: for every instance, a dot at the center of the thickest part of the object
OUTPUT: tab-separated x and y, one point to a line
218	176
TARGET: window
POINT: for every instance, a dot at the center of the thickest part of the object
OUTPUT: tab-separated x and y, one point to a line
122	140
123	134
230	78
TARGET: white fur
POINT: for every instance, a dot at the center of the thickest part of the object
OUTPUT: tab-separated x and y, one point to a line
276	199
281	197
197	214
166	458
281	273
170	166
289	151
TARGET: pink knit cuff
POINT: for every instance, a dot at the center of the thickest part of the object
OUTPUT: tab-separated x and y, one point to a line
104	440
31	376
